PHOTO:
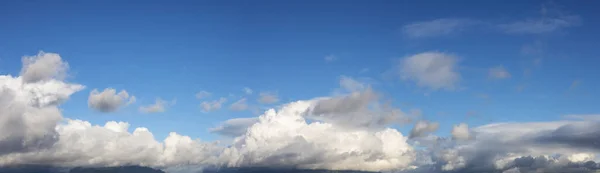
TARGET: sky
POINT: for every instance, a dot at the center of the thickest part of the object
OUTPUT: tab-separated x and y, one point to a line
197	67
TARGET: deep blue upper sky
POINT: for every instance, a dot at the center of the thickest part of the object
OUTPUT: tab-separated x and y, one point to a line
174	49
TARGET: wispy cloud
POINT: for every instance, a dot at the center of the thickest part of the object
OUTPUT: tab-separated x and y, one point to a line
239	105
551	19
268	98
203	94
158	106
433	70
330	58
437	27
208	106
498	72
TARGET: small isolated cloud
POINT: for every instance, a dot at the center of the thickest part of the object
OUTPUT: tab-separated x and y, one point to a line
208	106
109	100
552	19
203	94
437	27
423	128
460	132
247	90
268	98
234	127
330	58
498	73
576	83
43	66
158	106
432	70
239	105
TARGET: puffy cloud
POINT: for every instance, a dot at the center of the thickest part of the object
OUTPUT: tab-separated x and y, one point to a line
208	106
422	128
284	138
239	105
498	73
433	70
158	106
203	94
234	127
460	132
268	98
437	27
109	100
29	104
247	90
43	66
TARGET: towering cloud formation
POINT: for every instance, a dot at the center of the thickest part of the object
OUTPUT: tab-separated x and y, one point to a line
109	100
28	104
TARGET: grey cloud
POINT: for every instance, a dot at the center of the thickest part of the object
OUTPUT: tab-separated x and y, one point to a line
433	70
239	105
158	106
203	94
268	98
208	106
109	100
43	66
234	127
460	132
248	90
422	128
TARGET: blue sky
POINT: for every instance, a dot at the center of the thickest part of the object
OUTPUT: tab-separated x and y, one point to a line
171	50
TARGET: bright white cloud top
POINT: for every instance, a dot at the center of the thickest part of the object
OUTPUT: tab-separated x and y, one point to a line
349	131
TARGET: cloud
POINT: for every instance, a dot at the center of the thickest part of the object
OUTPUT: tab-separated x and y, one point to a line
158	106
460	132
43	66
29	104
423	128
437	27
203	94
498	73
247	90
234	127
432	70
330	58
552	19
268	98
208	106
109	100
239	105
350	84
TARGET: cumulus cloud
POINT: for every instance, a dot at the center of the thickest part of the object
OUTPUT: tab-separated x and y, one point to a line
268	98
498	73
437	27
203	94
239	105
158	106
208	106
460	132
433	70
109	100
29	104
234	127
43	66
422	128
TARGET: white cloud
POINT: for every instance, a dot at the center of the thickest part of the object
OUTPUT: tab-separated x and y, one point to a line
239	105
203	94
350	84
247	90
158	106
460	132
437	27
423	128
43	66
208	106
551	19
268	98
330	58
498	73
432	70
109	100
